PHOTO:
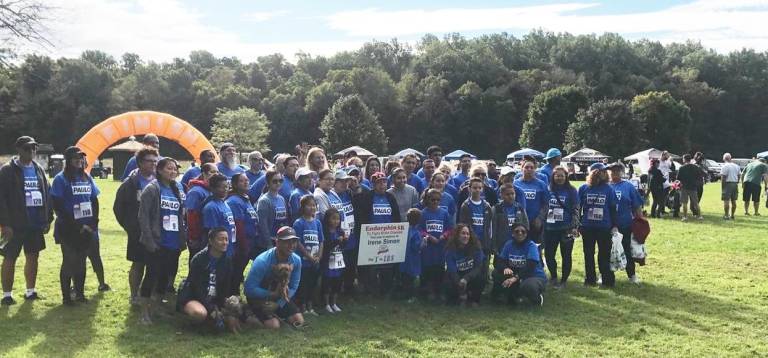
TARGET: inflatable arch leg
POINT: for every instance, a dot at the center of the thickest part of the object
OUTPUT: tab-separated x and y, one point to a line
110	131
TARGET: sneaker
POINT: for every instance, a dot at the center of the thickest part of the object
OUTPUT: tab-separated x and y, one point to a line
726	217
32	296
599	281
700	218
685	218
557	285
733	217
7	301
411	300
81	299
634	279
747	214
757	214
312	312
541	300
329	309
336	308
104	288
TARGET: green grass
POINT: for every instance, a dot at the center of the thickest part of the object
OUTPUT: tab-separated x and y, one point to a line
704	293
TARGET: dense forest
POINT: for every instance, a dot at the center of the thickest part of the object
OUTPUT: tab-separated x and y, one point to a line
488	95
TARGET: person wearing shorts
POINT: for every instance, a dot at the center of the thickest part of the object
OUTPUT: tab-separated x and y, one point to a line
273	280
755	173
26	214
729	175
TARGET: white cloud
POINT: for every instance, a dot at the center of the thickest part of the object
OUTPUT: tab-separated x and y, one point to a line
262	16
724	25
160	30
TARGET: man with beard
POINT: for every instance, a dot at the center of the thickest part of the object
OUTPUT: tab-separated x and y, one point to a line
228	165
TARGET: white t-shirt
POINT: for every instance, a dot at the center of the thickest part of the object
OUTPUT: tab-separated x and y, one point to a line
731	172
665	166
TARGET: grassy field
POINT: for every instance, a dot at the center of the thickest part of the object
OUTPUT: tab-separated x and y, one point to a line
704	293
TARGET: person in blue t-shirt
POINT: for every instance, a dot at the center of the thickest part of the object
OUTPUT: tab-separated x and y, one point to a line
562	224
476	213
206	156
76	203
149	140
465	261
228	165
438	181
437	225
536	193
310	247
255	166
409	163
462	173
372	165
246	230
518	270
598	223
630	206
216	212
435	155
553	158
332	260
197	193
302	187
505	214
410	268
272	210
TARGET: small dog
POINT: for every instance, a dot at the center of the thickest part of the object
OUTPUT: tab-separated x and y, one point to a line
231	312
281	276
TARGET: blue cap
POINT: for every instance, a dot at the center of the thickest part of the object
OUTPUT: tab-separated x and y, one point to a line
597	166
553	152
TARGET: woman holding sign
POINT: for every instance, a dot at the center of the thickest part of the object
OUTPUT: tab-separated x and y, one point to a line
163	232
75	200
376	207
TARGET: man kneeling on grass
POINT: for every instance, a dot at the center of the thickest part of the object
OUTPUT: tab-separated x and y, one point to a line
273	280
203	295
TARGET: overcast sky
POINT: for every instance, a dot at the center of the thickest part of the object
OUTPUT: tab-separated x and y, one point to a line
160	30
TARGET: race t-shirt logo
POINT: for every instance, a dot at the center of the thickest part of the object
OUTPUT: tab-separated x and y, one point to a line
381	209
435	226
595	199
169	203
465	264
81	189
530	194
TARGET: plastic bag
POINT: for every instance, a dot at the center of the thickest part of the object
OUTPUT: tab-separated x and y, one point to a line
638	252
618	257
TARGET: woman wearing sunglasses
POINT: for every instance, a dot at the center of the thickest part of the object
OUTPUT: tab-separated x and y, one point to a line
272	211
518	271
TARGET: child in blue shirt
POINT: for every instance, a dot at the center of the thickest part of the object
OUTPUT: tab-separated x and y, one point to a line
410	269
310	247
332	259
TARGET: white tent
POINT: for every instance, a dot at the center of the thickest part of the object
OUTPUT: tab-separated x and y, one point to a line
585	155
361	152
643	158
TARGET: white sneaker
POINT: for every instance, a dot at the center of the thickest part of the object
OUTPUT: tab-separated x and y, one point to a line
634	279
700	218
336	308
541	300
312	312
599	281
328	309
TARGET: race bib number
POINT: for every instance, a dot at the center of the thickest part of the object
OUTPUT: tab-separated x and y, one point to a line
555	215
618	195
314	250
171	223
82	210
349	225
530	195
336	260
382	210
281	214
511	220
212	284
34	198
595	214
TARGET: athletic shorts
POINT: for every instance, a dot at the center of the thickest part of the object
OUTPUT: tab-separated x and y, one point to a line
31	240
751	190
686	194
136	251
730	191
289	309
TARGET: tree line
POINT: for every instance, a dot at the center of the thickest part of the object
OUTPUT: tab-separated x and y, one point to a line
488	95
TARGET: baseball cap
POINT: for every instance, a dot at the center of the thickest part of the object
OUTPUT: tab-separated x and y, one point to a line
597	166
616	165
73	151
25	140
286	233
506	170
302	172
378	176
341	175
553	152
352	169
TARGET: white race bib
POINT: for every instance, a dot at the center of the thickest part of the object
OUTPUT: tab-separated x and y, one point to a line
336	260
82	210
171	223
595	214
34	198
554	215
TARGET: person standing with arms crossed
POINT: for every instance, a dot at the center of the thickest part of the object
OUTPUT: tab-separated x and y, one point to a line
729	178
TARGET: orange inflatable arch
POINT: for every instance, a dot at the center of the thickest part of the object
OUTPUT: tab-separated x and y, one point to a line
110	131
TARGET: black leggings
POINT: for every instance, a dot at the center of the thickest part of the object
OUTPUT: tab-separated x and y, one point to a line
601	237
626	243
530	288
72	269
306	291
659	202
432	279
473	290
160	265
553	239
94	256
350	270
239	262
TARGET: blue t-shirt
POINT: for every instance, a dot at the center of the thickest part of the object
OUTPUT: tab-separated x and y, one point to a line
310	233
365	183
510	211
540	176
448	203
195	198
517	256
190	174
536	196
560	217
129	167
458	262
436	223
382	211
229	172
595	206
348	219
295	201
217	213
629	201
450	189
34	200
257	188
417	183
287	188
332	239
459	179
171	209
78	197
253	177
412	264
281	213
243	211
336	203
546	171
478	218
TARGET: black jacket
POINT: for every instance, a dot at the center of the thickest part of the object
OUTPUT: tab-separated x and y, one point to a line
363	205
196	285
13	206
126	206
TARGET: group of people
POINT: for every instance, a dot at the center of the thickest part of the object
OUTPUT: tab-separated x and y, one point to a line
298	225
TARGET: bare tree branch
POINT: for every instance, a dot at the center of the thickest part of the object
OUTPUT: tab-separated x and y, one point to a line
23	20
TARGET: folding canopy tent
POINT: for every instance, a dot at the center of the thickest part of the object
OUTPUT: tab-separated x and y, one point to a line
456	154
585	155
643	158
762	154
362	153
519	154
407	151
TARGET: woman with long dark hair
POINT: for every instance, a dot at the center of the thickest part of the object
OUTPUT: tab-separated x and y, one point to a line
75	200
163	232
561	226
465	259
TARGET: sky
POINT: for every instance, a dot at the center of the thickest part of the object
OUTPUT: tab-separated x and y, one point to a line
160	30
